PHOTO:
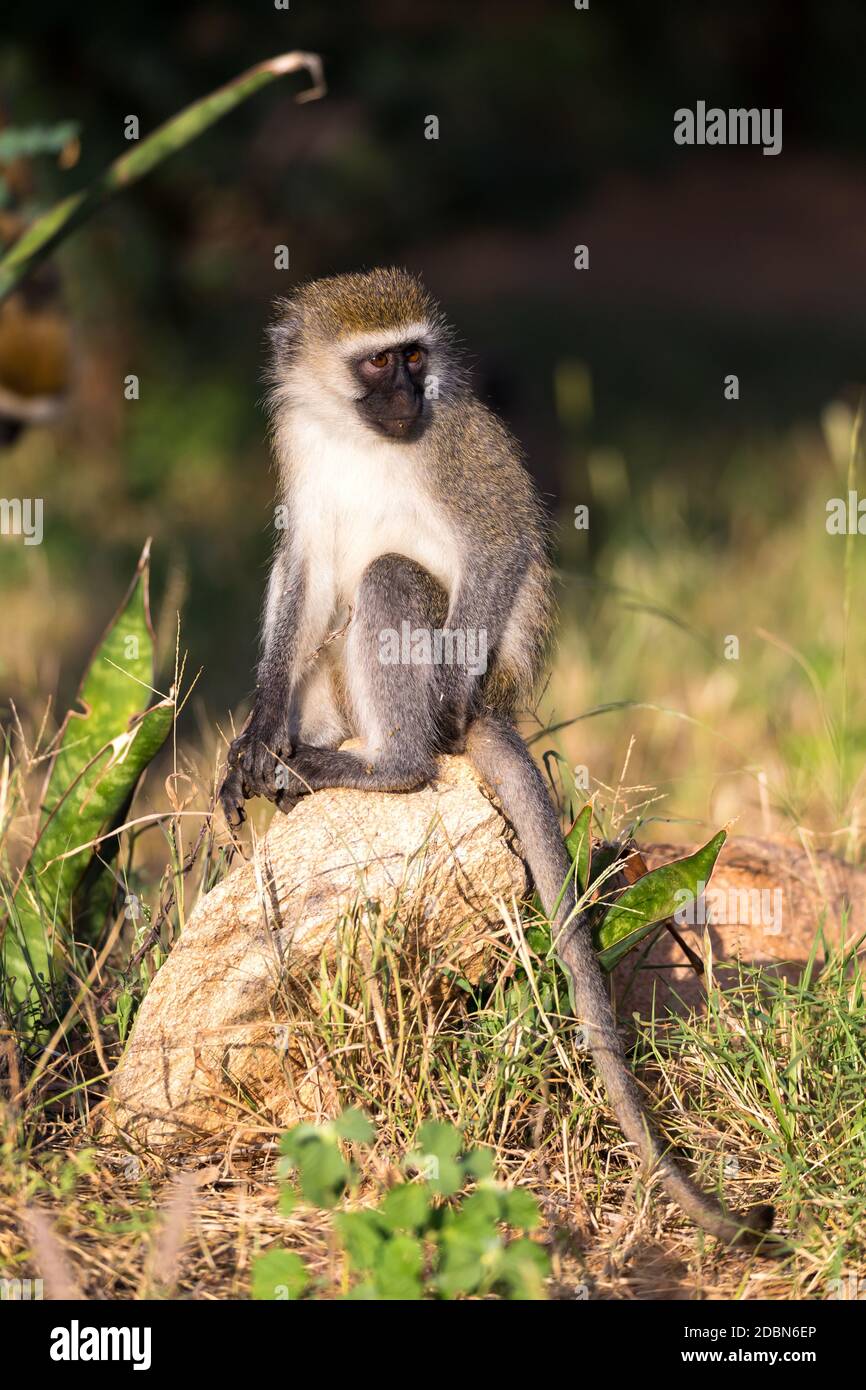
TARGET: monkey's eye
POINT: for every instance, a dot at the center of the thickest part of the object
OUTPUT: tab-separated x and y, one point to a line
380	360
413	356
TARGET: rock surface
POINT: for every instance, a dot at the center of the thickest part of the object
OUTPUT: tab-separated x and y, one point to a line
212	1039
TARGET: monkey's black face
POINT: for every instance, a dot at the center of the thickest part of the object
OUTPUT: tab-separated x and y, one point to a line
393	385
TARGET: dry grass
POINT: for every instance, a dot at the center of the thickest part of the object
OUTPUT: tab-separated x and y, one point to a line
730	1087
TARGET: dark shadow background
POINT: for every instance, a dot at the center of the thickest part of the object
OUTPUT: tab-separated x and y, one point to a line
556	128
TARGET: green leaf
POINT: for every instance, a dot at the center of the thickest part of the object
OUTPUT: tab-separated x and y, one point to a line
293	1141
465	1257
520	1209
407	1206
398	1267
362	1293
323	1173
288	1199
578	842
652	899
478	1163
522	1268
436	1137
116	686
435	1157
54	226
579	845
354	1126
104	746
279	1276
478	1213
362	1233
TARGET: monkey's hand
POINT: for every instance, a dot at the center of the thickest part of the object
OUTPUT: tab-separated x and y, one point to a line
253	763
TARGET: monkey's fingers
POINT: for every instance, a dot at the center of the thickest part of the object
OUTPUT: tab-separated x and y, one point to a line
268	774
232	797
260	761
287	799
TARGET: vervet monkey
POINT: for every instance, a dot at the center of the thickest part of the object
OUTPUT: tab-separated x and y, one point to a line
409	511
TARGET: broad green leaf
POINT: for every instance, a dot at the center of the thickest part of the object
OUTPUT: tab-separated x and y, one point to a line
288	1199
362	1293
479	1213
579	844
279	1276
436	1137
361	1234
653	898
104	746
39	918
294	1139
464	1258
520	1209
435	1157
116	686
406	1206
478	1163
323	1173
398	1267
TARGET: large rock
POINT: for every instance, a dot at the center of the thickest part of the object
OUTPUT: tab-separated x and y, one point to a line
213	1037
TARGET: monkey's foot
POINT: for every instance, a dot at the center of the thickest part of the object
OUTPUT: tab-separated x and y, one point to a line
298	775
253	765
231	798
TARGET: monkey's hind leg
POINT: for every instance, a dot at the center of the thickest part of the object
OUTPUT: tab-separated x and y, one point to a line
391	694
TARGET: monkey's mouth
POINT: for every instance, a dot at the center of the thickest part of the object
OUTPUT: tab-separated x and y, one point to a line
398	426
395	419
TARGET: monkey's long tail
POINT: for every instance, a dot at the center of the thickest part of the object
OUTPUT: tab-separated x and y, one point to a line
504	762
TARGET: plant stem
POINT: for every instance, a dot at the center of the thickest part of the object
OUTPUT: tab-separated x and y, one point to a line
58	222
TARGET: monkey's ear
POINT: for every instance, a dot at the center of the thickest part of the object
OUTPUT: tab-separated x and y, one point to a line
284	332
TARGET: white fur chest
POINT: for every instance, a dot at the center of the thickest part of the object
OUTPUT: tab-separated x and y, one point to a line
354	498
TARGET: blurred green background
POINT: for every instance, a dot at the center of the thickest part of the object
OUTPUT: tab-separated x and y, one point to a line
556	129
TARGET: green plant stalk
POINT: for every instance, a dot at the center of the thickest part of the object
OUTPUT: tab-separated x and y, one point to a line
54	226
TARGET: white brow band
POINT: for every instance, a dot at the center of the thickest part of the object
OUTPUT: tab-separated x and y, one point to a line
357	343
